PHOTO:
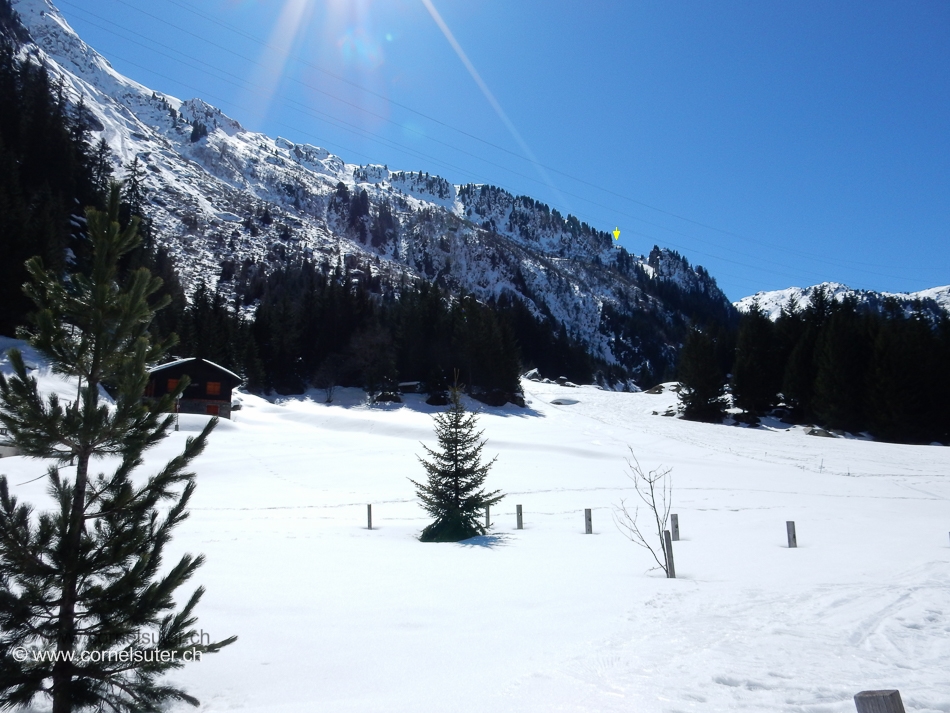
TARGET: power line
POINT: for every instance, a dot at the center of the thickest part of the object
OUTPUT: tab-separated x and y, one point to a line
352	128
346	126
428	117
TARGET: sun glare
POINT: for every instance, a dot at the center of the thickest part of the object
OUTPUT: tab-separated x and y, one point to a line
349	23
337	35
358	48
284	39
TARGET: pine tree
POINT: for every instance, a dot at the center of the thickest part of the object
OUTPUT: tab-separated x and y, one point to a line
85	576
756	374
905	371
198	131
102	168
800	330
843	354
703	383
454	494
133	188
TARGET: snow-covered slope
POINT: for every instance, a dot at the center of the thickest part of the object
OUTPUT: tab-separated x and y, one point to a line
334	617
772	303
239	197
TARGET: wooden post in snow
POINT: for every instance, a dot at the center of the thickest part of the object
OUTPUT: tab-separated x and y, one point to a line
879	702
790	529
369	517
518	513
588	524
668	542
675	527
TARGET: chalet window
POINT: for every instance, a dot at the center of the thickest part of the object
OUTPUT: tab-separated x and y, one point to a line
212	409
213	388
172	384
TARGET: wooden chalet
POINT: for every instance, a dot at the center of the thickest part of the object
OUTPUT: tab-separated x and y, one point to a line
209	391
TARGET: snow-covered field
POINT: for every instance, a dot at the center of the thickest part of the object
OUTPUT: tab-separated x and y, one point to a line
334	617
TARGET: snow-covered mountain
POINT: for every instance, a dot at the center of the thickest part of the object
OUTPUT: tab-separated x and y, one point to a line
772	303
221	195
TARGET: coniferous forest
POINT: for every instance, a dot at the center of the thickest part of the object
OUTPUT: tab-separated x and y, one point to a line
306	323
835	364
47	173
313	324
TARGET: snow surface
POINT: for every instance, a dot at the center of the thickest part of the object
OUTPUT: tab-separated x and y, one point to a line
334	617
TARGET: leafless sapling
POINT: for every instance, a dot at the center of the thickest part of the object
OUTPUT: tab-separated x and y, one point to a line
328	375
654	490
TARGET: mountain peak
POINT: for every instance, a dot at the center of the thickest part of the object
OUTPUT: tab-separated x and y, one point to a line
51	33
198	110
773	302
223	199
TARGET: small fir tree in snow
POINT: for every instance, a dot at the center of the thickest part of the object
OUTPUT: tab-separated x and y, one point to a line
88	577
454	493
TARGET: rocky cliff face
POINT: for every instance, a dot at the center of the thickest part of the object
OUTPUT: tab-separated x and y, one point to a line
218	194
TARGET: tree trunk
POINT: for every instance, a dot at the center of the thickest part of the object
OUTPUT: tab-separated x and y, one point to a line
66	637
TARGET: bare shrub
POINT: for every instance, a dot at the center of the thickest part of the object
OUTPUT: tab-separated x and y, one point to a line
654	490
328	375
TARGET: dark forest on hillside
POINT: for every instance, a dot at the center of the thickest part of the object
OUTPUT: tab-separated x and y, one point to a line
312	324
838	365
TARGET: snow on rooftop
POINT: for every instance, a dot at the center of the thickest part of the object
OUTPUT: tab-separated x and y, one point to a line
177	362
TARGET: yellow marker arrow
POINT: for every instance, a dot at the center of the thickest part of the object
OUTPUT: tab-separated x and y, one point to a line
616	233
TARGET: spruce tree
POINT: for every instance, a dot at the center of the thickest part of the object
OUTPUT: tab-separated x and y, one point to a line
702	379
843	354
756	374
903	380
133	188
87	611
102	168
941	391
454	492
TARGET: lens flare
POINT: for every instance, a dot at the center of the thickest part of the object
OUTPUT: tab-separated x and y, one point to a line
490	97
286	37
359	49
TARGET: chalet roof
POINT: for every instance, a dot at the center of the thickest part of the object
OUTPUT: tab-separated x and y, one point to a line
179	362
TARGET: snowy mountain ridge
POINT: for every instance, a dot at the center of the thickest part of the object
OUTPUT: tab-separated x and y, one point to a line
773	302
217	194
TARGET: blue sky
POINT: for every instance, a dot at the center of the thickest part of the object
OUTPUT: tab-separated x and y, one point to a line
775	143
